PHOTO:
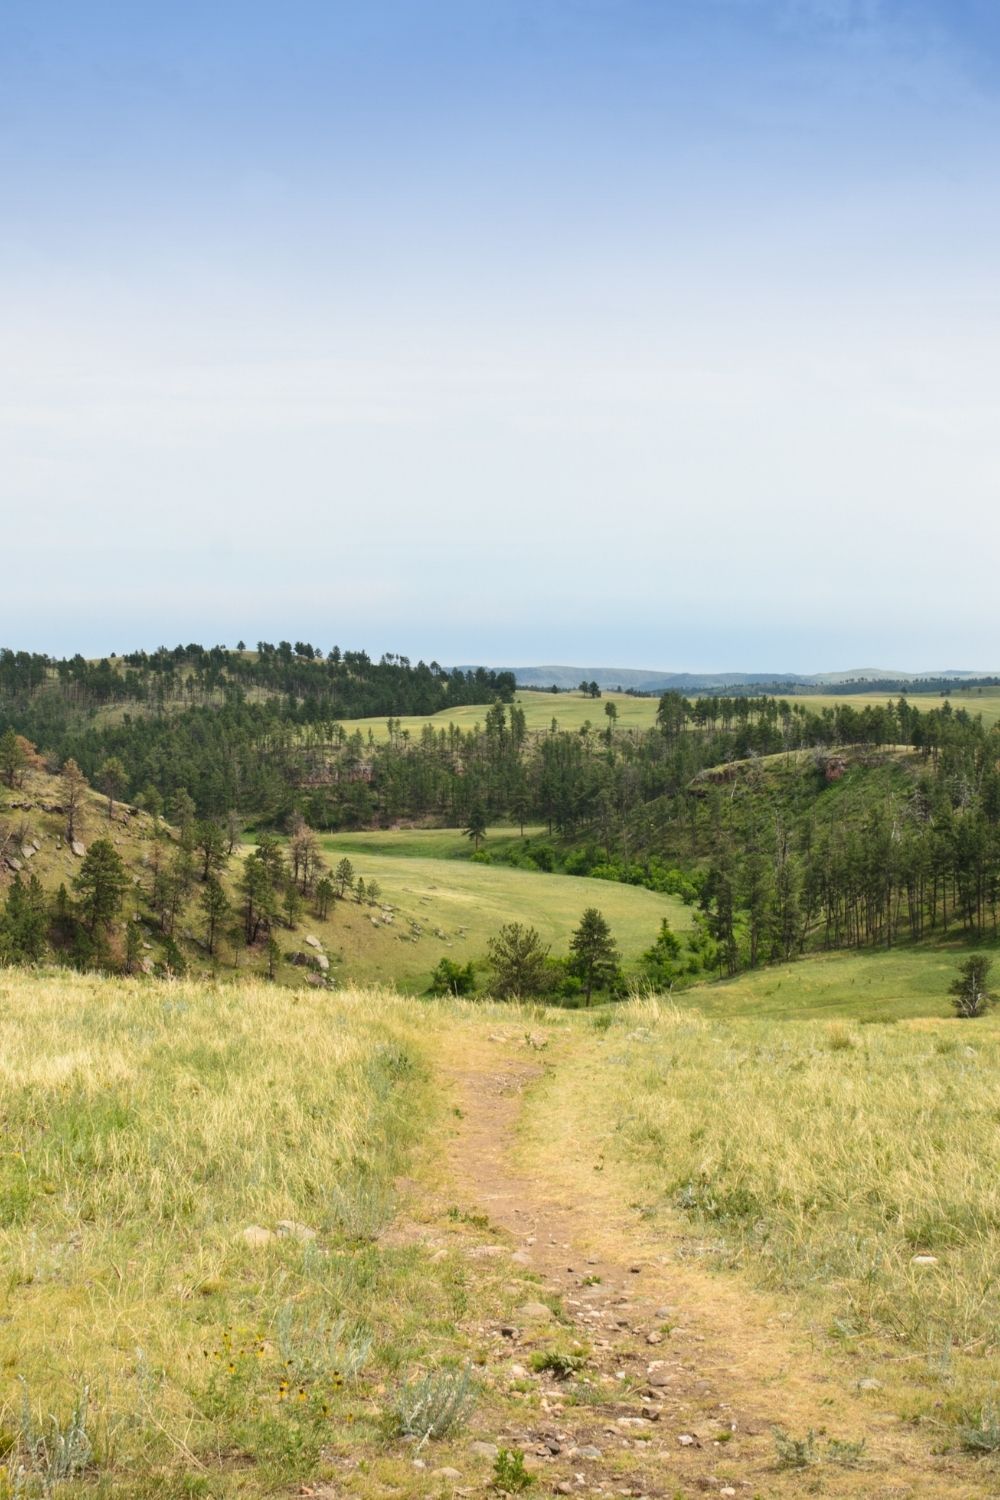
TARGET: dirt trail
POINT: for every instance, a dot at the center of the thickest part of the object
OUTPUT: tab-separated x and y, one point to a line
692	1369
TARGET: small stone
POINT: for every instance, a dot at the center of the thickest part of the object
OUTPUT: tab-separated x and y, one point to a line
654	1337
78	849
484	1450
255	1235
635	1270
657	1374
445	1474
534	1312
313	942
290	1230
518	1372
688	1440
870	1384
923	1260
727	1489
587	1451
485	1252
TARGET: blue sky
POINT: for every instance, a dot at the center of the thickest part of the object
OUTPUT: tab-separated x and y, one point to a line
607	331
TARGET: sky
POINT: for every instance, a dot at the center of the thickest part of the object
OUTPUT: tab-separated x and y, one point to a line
657	333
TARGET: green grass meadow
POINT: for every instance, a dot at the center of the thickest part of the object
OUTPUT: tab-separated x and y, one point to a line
573	710
450	907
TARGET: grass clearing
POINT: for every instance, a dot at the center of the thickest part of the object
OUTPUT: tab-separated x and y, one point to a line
573	710
882	985
432	843
450	908
570	711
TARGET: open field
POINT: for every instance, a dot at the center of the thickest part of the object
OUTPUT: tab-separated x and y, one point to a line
487	1196
877	985
972	700
431	843
459	905
570	711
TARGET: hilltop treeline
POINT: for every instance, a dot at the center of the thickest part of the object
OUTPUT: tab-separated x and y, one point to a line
345	684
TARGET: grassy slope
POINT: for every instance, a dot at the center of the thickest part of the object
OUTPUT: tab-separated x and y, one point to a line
430	843
875	985
986	703
570	710
818	1160
147	1126
468	902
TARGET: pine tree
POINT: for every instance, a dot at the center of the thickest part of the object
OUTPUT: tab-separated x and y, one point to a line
593	952
101	885
111	778
475	828
518	961
215	905
73	786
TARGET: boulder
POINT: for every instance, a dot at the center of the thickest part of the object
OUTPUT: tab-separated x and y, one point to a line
289	1229
255	1235
535	1312
78	848
313	942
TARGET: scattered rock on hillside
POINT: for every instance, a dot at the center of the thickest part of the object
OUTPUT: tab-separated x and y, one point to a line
534	1312
291	1230
923	1260
485	1450
322	962
313	942
78	848
255	1235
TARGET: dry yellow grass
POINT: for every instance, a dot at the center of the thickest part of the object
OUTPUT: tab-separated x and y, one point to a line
851	1166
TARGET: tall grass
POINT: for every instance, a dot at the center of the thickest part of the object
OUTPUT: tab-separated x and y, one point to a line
145	1128
854	1161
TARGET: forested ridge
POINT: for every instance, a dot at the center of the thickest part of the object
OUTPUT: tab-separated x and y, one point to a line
787	828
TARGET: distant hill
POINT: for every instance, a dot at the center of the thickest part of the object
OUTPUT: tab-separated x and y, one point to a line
650	680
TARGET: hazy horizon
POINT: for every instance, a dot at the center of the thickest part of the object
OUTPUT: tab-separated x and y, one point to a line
592	331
